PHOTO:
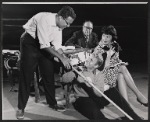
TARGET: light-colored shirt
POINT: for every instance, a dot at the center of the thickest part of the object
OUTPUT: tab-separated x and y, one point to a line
48	32
97	80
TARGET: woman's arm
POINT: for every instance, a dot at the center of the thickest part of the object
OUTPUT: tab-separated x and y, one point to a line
110	52
99	83
81	80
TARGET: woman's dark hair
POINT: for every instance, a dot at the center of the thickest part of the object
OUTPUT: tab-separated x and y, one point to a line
111	31
67	11
116	46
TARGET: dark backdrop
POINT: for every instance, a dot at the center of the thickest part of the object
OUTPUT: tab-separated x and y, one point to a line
130	20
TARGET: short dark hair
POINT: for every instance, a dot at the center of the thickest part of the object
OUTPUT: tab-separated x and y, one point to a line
67	11
111	31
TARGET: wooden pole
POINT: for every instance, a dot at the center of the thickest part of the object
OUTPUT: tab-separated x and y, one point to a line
101	93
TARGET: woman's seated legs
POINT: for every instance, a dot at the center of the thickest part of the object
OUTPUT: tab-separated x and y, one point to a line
122	86
131	84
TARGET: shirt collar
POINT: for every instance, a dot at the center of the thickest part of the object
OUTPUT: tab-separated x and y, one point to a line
54	22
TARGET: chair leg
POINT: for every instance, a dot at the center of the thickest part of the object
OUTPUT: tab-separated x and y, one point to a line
11	80
67	96
37	92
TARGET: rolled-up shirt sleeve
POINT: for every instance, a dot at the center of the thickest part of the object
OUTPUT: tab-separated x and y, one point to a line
44	33
48	33
57	40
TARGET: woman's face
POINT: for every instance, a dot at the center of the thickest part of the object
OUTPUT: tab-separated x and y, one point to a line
91	62
106	39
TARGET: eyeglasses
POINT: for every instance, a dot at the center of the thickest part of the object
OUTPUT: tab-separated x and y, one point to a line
66	22
88	27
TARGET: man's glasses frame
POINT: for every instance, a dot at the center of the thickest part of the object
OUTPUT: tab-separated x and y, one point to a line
66	22
88	27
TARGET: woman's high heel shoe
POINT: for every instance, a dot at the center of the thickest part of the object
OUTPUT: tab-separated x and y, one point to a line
145	104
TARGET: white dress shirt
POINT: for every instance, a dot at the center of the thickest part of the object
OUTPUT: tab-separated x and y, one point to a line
47	30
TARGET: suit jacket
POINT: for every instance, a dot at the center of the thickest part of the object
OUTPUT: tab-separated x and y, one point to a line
78	40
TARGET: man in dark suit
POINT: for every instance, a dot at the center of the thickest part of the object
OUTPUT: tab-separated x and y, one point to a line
84	38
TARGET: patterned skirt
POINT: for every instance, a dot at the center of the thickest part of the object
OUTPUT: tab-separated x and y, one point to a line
111	75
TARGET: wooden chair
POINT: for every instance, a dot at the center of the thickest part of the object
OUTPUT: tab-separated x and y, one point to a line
10	63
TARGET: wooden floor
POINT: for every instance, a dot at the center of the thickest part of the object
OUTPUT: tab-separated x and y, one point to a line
41	111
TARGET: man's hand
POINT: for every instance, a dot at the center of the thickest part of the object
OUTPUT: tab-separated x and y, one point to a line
66	62
56	59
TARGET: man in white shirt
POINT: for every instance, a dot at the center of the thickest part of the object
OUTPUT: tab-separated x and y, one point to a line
40	43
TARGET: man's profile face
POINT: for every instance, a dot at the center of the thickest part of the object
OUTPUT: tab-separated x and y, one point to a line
87	29
65	22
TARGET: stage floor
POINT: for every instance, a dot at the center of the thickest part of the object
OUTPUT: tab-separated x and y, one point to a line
41	111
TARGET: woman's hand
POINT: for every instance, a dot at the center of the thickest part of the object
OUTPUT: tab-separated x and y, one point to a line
110	52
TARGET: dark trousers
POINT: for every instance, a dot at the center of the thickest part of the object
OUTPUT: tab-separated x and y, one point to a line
31	57
90	106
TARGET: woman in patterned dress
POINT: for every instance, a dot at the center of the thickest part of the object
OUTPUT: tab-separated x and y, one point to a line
115	69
